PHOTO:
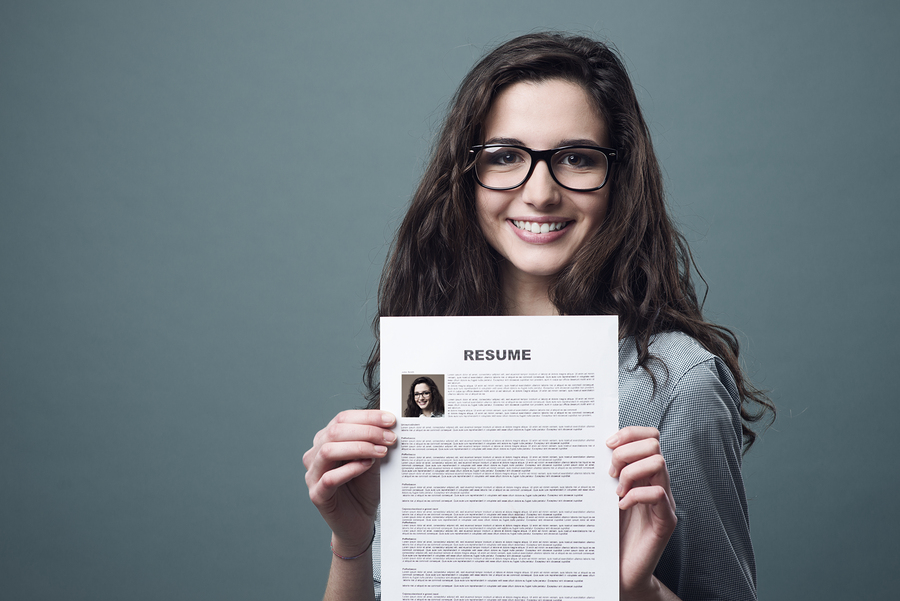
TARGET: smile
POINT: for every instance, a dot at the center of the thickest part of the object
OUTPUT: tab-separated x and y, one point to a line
540	228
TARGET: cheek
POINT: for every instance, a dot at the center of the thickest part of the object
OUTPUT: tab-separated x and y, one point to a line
597	210
605	201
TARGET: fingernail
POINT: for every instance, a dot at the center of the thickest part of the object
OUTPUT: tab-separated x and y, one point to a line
612	440
389	436
612	471
619	491
380	449
387	419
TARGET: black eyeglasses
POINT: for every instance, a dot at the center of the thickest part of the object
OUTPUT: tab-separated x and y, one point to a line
422	394
577	168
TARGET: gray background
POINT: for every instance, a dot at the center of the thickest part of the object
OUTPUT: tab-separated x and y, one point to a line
196	198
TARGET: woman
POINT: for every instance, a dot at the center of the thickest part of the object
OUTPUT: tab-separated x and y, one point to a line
543	196
424	399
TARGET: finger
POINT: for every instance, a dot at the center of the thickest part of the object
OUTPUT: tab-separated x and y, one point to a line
372	417
631	453
322	490
354	425
656	499
378	438
333	454
341	432
631	434
358	425
339	452
650	471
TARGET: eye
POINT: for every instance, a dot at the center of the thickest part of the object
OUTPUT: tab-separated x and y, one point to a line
504	157
580	159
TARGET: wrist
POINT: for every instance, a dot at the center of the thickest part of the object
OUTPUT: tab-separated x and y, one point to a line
651	590
351	549
640	592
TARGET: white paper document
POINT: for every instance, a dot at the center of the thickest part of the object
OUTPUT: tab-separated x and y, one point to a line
507	495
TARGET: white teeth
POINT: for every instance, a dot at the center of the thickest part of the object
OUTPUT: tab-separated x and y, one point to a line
539	228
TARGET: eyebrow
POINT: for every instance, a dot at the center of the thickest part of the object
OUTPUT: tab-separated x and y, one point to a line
560	144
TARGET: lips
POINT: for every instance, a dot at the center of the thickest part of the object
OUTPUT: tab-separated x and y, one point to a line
540	228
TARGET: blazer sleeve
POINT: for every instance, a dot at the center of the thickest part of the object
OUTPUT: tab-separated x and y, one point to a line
710	555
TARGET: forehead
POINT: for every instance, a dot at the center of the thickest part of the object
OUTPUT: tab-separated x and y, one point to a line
422	386
544	115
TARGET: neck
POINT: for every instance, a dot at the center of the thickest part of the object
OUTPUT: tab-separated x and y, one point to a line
527	295
426	412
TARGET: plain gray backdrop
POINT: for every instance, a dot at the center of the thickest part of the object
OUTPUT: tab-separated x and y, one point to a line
196	198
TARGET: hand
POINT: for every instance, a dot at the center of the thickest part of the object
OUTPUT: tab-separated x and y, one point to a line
342	473
647	508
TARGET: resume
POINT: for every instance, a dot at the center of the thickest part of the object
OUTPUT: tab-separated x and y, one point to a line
498	487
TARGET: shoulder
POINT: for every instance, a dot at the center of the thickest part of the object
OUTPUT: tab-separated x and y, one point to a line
683	381
675	353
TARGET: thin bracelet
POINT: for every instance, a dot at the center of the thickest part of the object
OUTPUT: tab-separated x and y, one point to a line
355	556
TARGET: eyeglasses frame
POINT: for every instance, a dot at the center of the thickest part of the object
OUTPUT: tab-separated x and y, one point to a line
545	155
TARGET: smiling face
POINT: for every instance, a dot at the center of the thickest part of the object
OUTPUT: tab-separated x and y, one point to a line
539	226
422	396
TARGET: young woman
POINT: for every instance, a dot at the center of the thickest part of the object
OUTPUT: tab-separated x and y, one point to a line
544	196
424	399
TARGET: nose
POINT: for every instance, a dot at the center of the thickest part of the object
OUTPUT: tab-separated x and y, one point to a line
541	190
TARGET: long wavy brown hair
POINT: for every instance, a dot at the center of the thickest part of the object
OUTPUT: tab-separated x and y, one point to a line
637	265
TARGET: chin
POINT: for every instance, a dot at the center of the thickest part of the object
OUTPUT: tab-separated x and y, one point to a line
538	269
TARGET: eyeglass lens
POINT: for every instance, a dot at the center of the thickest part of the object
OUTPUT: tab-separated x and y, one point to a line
508	167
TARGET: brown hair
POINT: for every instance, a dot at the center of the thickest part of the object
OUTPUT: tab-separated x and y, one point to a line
637	265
